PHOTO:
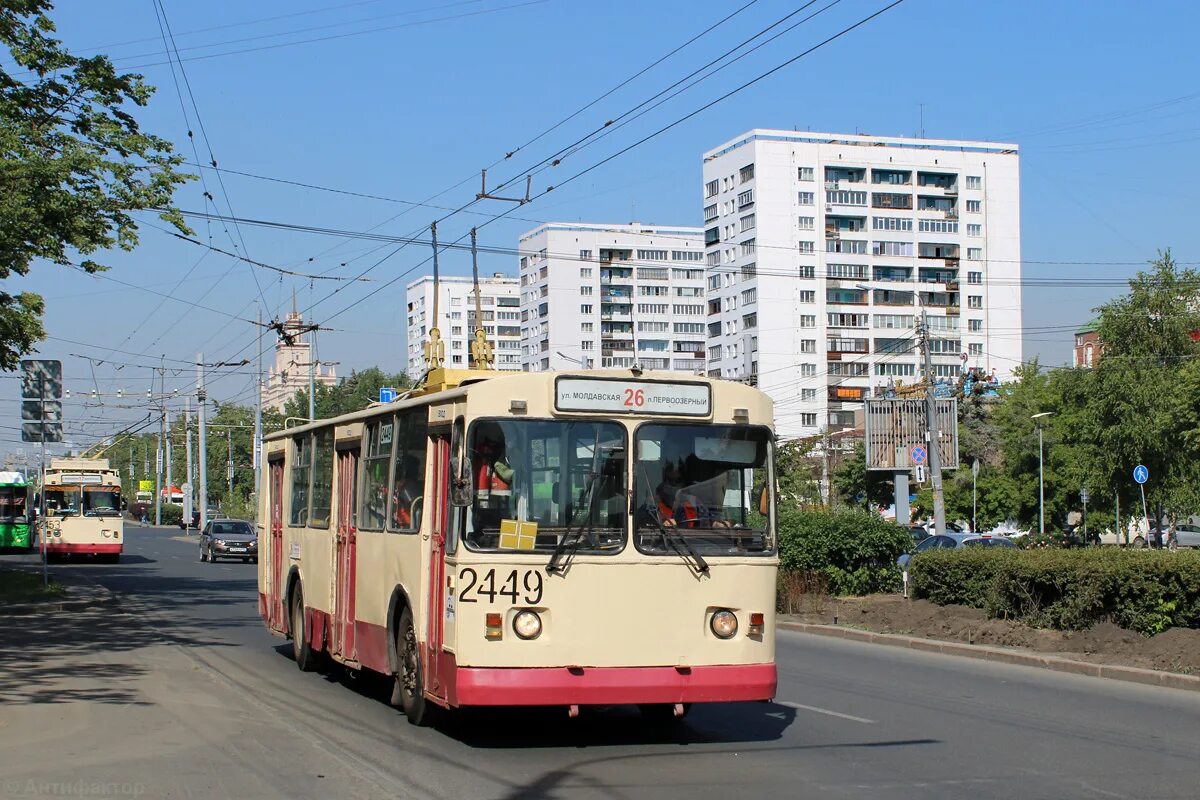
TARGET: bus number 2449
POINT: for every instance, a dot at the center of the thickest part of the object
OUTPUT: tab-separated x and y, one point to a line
525	585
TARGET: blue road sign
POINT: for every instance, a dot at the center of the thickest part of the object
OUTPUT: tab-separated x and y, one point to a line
918	454
1140	473
387	394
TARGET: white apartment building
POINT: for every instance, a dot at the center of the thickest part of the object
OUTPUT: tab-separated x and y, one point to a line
608	295
499	302
824	249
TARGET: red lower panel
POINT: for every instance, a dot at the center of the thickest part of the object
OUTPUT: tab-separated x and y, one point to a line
371	645
318	625
84	549
552	686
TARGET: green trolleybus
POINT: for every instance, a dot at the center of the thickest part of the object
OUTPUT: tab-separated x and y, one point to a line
14	513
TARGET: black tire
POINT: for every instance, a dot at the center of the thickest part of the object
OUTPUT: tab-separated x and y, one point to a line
306	657
255	559
245	561
663	713
212	557
408	692
203	555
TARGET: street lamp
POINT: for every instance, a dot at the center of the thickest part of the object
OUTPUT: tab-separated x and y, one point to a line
1041	474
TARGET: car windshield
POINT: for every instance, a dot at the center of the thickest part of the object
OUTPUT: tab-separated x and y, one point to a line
62	500
534	482
705	483
12	502
101	501
231	529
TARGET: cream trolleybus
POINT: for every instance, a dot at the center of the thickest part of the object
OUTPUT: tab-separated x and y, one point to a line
83	509
567	539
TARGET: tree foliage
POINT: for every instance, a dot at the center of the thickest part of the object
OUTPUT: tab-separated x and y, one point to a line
75	163
353	393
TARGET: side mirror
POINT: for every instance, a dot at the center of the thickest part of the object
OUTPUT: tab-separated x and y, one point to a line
460	493
764	501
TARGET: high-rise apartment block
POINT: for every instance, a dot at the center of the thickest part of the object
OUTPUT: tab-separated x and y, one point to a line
612	295
824	250
500	311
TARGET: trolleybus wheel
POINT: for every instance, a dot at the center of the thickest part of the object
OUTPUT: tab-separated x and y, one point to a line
306	658
409	691
663	713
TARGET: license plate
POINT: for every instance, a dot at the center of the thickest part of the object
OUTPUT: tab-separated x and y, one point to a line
237	549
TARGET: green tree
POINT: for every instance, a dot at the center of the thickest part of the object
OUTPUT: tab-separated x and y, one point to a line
352	393
797	472
75	163
858	486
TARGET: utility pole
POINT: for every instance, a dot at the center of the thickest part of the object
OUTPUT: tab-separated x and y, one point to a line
202	397
229	464
187	453
257	449
935	455
158	452
312	366
169	456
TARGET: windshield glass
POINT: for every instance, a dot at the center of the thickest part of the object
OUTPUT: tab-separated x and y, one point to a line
12	502
231	529
535	481
101	501
705	483
62	500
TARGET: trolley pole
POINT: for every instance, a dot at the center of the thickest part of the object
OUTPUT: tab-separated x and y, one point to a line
935	456
201	397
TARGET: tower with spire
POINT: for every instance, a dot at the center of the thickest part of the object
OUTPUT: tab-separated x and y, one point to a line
294	352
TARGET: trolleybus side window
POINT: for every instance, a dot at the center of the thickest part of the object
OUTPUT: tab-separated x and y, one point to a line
102	501
322	478
460	486
373	497
301	472
702	483
62	501
540	484
12	502
408	470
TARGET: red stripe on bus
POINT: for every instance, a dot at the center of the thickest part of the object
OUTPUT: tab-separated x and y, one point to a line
542	686
371	646
84	549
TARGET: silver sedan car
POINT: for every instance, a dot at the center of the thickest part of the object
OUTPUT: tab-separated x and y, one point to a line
229	538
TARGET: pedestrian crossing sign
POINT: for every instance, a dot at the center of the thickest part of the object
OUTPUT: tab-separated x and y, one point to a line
516	534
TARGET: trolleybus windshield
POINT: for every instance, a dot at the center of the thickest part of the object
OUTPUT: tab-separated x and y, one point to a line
12	503
101	501
535	482
62	501
702	483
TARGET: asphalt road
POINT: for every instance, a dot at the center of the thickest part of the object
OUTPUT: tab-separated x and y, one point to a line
184	694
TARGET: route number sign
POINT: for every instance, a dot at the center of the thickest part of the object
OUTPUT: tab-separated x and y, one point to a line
633	397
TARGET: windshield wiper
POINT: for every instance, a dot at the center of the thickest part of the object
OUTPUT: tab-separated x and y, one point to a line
674	540
572	538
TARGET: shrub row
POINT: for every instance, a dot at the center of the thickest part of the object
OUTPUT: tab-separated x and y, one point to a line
854	550
1144	591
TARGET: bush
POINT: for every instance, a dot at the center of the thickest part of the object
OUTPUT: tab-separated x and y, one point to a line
855	550
1142	591
171	514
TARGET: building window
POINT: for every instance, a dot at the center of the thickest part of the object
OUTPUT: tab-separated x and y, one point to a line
804	173
889	370
975	349
745	199
806	296
808	420
687	255
806	271
749	321
807	247
806	198
585	309
652	255
746	173
974	277
852	246
710	212
892	248
748	247
808	395
974	253
749	296
891	200
845	198
974	230
974	301
711	188
808	320
938	226
586	327
892	176
808	370
585	255
585	272
835	320
585	290
808	223
975	325
747	223
891	223
808	345
974	182
846	271
974	206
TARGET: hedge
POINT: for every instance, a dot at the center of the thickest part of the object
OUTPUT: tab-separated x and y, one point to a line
854	550
1144	591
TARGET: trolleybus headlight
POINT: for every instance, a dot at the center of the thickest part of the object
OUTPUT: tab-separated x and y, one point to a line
724	624
527	624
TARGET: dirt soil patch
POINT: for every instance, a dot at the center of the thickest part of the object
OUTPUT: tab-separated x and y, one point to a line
21	586
1175	650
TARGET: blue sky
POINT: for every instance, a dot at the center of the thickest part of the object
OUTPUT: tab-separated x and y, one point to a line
1100	96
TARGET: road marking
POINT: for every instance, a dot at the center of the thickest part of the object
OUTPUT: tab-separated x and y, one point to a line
826	712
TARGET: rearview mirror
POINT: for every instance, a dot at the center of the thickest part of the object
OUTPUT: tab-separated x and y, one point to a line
460	493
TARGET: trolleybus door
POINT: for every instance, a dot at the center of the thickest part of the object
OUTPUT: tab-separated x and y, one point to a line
343	608
275	599
434	659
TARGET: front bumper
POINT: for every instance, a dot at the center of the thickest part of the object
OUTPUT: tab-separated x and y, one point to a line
83	549
228	550
552	686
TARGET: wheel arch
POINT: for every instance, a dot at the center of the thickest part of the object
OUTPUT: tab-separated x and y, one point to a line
396	605
293	580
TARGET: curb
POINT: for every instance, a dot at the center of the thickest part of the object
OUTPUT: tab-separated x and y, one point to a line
1151	677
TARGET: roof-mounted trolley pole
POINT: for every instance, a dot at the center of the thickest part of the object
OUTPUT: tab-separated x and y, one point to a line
435	348
481	348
